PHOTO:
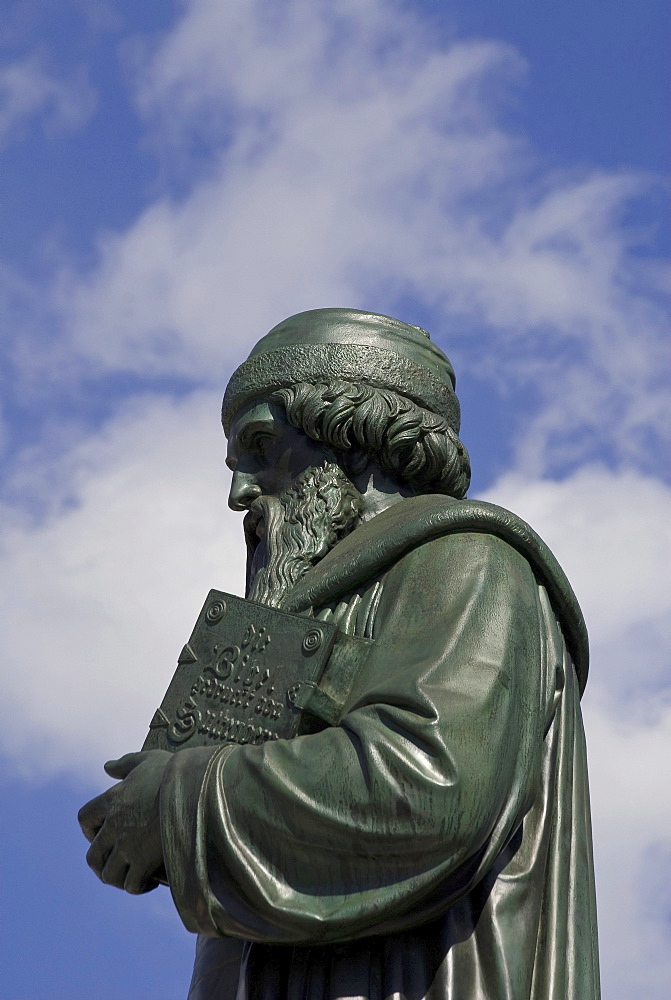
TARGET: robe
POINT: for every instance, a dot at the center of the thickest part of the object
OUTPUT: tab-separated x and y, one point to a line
435	844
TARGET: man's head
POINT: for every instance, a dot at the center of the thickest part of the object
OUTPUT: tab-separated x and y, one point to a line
332	405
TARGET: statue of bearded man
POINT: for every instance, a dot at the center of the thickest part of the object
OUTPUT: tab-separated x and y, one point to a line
435	842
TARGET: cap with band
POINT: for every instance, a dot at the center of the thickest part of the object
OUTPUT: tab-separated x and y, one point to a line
321	345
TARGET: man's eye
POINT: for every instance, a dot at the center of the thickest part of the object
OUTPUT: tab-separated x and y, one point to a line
260	444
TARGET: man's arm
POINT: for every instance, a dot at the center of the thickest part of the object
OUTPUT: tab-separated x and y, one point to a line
391	816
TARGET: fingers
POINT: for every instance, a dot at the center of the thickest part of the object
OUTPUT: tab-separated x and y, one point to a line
123	825
99	852
137	883
108	862
92	816
122	767
113	868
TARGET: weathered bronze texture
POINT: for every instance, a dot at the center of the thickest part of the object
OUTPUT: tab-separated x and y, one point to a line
367	779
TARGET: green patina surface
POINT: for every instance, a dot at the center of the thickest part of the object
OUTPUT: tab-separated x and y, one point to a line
421	827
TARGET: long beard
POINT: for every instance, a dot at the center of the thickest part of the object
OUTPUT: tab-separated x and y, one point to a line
287	535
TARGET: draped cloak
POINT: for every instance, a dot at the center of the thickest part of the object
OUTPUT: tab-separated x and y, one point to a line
435	844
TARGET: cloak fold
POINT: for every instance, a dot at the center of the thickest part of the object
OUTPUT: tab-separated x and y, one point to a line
436	843
380	542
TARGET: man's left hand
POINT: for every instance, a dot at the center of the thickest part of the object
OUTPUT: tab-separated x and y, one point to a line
123	823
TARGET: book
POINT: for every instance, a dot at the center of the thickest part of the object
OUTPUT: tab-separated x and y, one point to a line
249	671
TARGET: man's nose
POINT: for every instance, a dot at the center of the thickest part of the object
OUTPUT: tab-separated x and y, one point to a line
244	491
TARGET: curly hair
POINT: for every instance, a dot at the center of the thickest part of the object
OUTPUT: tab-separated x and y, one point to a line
413	445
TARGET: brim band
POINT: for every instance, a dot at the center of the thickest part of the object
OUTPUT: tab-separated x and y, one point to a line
263	373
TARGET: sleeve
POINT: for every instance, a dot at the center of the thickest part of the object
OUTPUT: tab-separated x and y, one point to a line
386	820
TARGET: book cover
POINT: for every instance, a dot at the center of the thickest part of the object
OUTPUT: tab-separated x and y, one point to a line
244	676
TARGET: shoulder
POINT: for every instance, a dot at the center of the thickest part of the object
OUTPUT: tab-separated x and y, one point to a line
466	589
463	557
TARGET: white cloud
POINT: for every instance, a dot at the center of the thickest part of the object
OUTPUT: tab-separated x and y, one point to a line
28	91
106	585
631	813
612	533
353	159
296	210
133	530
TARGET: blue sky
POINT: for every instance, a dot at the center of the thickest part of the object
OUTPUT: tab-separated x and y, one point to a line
179	177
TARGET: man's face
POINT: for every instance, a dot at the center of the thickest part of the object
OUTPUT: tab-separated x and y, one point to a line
266	454
299	500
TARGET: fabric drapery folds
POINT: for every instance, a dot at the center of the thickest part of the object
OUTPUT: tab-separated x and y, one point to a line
436	843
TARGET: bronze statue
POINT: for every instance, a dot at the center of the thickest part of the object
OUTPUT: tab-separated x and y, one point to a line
410	816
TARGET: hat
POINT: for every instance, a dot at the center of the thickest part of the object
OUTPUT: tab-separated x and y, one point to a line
322	345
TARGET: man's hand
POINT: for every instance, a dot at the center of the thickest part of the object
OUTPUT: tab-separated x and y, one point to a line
123	823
